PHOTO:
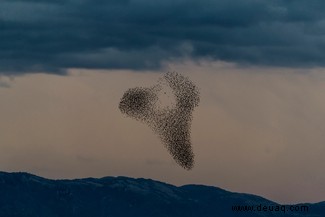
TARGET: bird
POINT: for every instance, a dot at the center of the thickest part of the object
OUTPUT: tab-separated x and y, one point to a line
172	124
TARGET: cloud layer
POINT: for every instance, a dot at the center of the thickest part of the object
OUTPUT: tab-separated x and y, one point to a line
47	36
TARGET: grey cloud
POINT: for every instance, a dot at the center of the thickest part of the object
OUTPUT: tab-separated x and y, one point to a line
47	36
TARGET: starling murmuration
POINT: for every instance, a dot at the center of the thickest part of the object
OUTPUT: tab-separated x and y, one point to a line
172	123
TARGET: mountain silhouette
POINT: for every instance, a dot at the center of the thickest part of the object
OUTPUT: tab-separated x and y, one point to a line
27	195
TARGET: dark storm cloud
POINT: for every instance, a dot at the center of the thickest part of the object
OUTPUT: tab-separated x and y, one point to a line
43	35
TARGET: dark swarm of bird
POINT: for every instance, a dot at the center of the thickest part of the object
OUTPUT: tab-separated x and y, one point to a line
172	123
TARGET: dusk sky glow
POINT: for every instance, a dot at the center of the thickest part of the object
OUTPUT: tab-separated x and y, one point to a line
260	67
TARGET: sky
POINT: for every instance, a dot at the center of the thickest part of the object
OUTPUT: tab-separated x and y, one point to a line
259	65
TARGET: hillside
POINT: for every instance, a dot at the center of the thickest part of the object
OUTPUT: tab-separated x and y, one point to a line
26	195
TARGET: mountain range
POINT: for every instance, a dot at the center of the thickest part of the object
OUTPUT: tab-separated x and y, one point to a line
27	195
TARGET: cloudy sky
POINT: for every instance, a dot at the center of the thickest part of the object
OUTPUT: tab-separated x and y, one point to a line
259	64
